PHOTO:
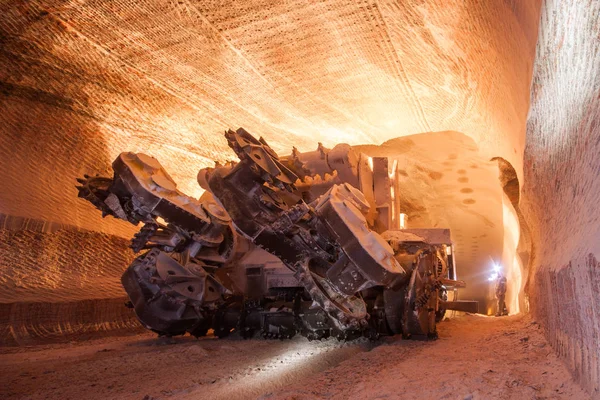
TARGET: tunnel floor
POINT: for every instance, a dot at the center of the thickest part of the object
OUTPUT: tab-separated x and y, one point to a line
475	358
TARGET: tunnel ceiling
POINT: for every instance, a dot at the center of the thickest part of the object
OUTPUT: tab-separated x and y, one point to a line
87	80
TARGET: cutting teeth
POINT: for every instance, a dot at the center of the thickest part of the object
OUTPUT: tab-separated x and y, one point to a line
81	180
330	177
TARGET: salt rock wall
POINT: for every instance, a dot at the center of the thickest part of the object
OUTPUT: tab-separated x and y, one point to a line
59	282
561	191
82	81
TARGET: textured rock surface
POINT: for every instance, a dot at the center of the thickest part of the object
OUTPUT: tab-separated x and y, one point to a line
483	358
58	282
561	191
166	78
519	365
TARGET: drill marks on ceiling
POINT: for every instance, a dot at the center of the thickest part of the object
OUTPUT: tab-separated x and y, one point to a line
434	175
475	210
403	79
264	77
150	60
271	42
147	70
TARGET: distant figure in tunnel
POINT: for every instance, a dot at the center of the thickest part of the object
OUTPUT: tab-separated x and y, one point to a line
500	295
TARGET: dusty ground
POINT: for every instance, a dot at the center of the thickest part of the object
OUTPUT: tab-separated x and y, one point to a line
475	358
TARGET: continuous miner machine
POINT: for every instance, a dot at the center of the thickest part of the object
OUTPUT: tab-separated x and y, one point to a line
307	244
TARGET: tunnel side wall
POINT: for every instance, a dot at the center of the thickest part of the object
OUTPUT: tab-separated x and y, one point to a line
560	197
59	283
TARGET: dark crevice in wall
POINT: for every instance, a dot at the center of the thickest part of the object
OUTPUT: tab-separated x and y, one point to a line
511	187
508	180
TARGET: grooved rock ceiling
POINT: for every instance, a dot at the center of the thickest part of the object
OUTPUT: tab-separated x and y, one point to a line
82	81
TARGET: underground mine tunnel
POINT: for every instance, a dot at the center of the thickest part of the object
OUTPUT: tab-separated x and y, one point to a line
396	161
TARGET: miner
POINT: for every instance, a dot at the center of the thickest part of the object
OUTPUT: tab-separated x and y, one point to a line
500	295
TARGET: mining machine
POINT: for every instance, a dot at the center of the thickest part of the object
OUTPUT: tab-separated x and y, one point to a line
307	244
